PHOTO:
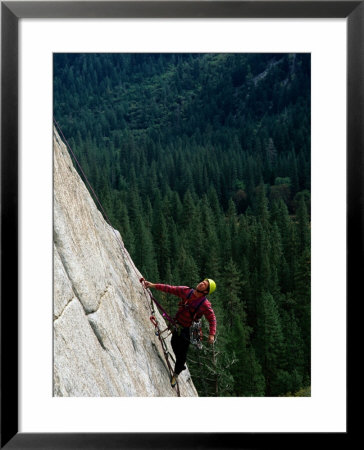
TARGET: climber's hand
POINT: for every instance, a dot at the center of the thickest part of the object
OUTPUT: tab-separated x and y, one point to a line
148	284
211	339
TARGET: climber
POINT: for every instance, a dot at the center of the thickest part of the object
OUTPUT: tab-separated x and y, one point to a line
192	307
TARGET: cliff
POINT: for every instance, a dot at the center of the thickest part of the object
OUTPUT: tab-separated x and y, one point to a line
104	342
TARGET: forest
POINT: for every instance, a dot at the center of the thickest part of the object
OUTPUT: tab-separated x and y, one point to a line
203	163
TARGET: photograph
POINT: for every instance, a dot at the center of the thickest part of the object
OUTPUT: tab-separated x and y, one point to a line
182	192
181	195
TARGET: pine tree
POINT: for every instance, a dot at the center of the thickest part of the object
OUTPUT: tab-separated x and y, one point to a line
196	240
134	203
224	236
302	295
269	341
293	172
246	372
188	269
144	256
127	234
292	255
231	289
189	210
294	354
262	258
303	227
161	239
262	206
210	263
275	257
214	202
210	368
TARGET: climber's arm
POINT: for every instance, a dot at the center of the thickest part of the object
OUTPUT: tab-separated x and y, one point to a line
180	291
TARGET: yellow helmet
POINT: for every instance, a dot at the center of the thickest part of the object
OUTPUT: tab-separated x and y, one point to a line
212	285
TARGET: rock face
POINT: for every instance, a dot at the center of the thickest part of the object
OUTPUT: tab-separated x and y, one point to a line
104	342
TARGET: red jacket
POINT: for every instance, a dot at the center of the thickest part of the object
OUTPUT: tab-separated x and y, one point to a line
187	306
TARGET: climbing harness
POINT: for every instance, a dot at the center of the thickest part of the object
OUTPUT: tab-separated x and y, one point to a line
195	328
154	321
196	334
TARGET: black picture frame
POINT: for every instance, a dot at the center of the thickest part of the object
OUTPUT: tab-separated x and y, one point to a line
11	12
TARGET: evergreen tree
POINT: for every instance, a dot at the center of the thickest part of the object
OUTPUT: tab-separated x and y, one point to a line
269	342
294	354
210	367
302	225
161	239
127	234
302	295
246	372
230	289
187	268
144	256
262	258
262	206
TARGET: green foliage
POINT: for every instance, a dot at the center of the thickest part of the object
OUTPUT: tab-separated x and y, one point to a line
269	342
202	162
279	181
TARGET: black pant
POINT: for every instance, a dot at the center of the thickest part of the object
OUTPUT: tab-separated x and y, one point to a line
180	342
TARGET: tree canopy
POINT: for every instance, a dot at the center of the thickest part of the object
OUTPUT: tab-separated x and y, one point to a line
202	162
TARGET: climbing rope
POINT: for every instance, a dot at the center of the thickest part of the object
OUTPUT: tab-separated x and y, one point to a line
158	331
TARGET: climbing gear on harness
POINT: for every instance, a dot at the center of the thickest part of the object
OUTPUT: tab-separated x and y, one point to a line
195	310
195	327
154	321
157	330
196	334
212	285
189	307
159	333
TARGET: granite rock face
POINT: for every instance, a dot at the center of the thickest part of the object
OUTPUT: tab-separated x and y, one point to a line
104	342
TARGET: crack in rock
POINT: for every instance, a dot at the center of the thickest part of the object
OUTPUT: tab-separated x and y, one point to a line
96	331
61	313
103	295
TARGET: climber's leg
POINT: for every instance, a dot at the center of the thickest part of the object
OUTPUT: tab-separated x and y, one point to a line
180	344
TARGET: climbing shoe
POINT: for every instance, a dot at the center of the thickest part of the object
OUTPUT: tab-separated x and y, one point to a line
174	380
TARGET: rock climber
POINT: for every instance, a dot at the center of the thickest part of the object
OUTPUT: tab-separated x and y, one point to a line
192	307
